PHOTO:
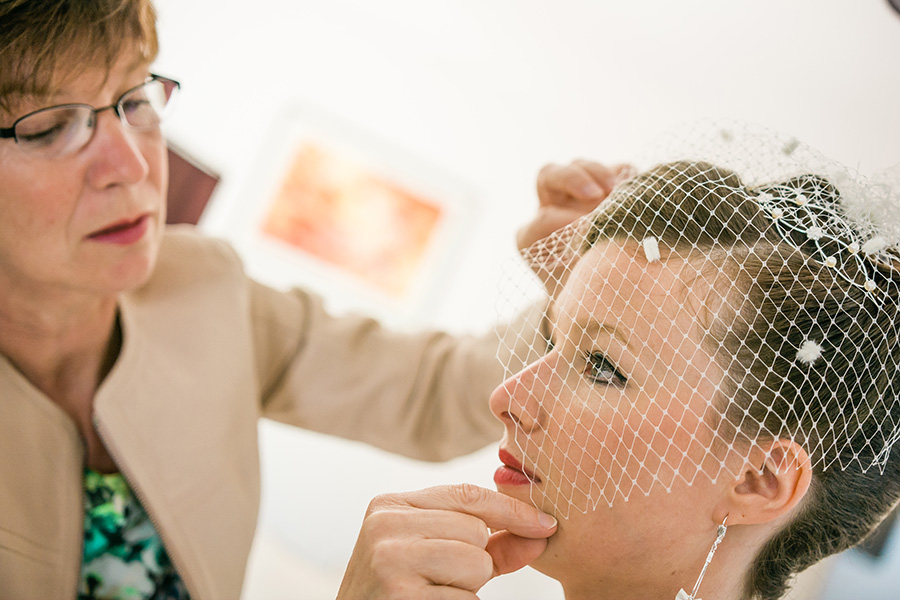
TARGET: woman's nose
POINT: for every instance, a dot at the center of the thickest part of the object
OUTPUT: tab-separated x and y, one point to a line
525	399
120	158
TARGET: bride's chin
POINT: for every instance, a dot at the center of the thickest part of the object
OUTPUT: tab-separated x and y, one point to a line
550	563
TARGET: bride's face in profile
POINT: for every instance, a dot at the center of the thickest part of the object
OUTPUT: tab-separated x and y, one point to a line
612	417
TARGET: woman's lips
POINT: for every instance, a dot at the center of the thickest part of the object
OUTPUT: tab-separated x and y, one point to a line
123	232
512	473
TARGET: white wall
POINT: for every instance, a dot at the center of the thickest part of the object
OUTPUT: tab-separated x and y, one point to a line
489	90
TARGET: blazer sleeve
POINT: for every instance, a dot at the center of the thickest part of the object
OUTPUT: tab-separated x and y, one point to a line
423	395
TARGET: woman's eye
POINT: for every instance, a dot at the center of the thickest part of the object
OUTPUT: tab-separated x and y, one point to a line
599	370
132	105
42	138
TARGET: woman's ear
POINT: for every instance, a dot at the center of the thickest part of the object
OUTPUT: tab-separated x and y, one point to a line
761	495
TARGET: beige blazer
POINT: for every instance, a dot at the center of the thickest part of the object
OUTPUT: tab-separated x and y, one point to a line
207	352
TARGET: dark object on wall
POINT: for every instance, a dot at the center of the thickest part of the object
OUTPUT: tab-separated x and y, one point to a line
190	187
895	4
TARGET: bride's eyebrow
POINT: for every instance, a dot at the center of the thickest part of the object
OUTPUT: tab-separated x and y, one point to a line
593	328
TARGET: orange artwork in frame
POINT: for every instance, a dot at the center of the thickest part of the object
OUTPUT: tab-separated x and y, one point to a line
360	222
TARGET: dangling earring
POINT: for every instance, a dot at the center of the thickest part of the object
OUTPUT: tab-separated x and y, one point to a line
720	533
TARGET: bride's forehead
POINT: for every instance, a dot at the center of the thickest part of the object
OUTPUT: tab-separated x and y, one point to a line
613	282
621	269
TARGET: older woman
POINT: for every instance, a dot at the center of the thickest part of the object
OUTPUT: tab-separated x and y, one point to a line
135	360
716	412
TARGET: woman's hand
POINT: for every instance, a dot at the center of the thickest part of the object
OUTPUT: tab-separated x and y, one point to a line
568	192
565	194
437	543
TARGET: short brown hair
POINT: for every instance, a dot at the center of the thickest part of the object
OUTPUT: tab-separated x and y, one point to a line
40	37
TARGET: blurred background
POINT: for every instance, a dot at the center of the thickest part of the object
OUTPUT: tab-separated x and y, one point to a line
464	100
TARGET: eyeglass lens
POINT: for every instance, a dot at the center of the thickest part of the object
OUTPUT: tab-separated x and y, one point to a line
61	130
55	130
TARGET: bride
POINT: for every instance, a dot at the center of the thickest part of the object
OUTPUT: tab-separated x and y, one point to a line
714	413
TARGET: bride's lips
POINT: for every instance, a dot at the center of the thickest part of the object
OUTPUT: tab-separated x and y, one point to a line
123	232
512	473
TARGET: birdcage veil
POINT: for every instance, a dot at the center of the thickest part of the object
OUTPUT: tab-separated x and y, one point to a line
738	288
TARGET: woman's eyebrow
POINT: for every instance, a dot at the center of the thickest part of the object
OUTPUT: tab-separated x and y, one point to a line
593	328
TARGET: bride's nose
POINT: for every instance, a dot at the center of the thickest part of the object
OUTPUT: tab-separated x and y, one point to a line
526	399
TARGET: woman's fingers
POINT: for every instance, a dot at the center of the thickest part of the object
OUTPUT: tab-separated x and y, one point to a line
577	182
398	519
567	192
454	564
510	552
496	510
582	183
420	544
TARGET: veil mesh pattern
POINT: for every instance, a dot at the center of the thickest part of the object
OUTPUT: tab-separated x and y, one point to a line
737	289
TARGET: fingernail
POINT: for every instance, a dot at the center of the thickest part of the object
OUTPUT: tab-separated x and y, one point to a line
592	189
547	521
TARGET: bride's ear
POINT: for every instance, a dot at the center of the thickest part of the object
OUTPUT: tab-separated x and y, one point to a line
763	493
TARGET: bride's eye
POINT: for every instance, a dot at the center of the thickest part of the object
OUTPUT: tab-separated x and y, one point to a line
599	370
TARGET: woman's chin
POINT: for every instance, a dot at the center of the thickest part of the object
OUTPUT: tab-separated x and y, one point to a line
131	276
136	269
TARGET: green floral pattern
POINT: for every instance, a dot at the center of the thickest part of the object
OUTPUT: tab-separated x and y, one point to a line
124	558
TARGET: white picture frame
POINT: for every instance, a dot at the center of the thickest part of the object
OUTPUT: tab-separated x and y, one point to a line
367	225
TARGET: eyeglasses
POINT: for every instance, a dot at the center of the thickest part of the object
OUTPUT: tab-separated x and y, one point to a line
59	130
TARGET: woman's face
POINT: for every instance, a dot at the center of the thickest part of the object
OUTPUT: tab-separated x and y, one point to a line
91	221
614	411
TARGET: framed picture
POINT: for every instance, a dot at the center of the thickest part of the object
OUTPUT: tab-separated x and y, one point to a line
369	226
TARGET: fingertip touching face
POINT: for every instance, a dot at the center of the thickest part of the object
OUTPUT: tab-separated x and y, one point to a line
90	221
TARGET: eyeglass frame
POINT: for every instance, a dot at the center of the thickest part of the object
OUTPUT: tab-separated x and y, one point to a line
10	132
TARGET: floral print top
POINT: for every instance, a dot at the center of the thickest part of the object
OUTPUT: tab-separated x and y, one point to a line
124	558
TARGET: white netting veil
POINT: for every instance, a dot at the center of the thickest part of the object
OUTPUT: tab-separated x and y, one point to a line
737	290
